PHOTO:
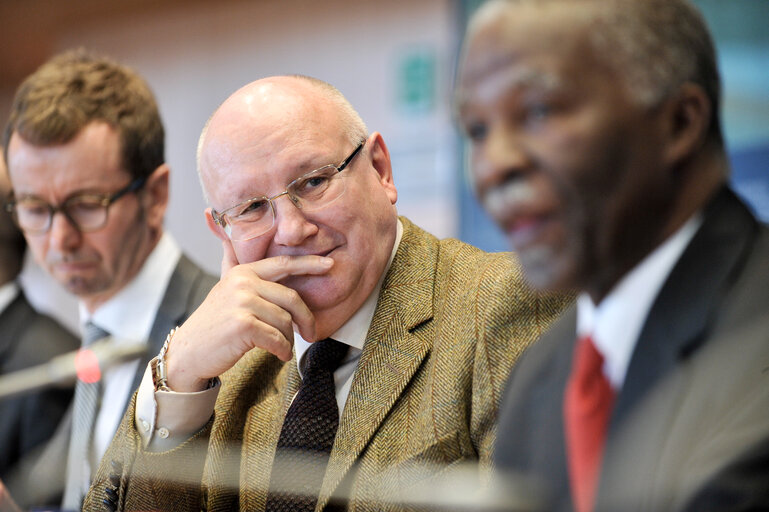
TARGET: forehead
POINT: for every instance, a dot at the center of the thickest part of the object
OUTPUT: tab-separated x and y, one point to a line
255	146
524	45
91	160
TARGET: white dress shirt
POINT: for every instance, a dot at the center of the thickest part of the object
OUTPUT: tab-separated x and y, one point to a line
128	317
616	322
166	419
8	293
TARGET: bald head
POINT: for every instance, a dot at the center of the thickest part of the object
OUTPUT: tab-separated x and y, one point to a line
279	108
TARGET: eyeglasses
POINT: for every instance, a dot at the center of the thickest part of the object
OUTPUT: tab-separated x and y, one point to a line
87	212
310	192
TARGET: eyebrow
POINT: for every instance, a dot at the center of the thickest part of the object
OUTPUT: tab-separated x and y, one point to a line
512	78
76	193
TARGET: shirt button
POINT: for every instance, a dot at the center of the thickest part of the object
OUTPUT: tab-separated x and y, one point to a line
145	425
163	432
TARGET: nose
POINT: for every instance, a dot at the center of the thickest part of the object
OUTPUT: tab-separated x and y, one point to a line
292	226
63	235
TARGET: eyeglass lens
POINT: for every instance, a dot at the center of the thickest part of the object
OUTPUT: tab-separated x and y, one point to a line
86	212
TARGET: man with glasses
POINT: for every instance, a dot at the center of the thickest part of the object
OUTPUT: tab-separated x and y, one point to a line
84	147
345	354
27	338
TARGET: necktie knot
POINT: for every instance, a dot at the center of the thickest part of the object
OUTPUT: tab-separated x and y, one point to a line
93	333
325	356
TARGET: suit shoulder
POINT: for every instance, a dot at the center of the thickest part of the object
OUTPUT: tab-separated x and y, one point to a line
500	275
40	339
198	280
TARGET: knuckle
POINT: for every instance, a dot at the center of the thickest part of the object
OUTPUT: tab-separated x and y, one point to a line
293	297
273	338
282	260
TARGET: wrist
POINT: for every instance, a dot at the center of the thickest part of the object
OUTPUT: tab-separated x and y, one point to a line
176	379
160	367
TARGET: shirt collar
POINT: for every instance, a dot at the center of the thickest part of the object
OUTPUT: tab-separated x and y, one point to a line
353	332
128	316
8	292
615	323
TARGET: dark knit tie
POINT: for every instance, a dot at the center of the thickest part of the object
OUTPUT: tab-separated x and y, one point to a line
308	433
588	403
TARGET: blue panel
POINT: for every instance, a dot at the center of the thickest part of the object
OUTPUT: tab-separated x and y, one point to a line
750	176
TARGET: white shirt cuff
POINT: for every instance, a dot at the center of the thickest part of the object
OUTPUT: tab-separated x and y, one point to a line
165	419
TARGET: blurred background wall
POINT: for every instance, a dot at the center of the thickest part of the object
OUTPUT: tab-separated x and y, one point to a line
394	61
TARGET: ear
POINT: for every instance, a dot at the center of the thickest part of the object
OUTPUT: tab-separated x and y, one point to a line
687	115
215	228
156	195
380	160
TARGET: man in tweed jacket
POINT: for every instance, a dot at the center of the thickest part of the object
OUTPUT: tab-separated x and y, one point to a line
433	326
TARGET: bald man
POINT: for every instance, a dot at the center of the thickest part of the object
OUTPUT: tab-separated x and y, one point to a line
316	259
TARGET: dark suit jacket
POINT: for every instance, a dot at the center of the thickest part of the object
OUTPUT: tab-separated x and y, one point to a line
449	323
690	427
188	286
29	338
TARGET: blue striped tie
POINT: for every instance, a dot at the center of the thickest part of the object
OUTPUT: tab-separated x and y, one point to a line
85	409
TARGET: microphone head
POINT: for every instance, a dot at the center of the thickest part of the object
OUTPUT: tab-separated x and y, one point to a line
90	362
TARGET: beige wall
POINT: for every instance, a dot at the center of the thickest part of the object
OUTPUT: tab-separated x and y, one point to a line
194	57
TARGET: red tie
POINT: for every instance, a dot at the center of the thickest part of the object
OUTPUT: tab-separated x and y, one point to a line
586	408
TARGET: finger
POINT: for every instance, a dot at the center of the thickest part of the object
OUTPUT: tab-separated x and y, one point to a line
229	259
280	267
265	309
273	341
290	310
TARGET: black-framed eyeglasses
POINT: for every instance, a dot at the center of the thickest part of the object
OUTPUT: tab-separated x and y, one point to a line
87	211
309	192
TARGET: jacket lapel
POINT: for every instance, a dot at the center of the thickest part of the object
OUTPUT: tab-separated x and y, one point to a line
679	322
683	310
172	311
391	354
263	422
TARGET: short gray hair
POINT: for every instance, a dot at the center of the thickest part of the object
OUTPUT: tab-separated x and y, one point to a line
655	45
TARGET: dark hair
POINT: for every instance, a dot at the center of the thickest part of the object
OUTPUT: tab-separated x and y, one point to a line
76	88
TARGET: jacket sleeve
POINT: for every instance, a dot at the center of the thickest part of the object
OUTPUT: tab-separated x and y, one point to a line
131	478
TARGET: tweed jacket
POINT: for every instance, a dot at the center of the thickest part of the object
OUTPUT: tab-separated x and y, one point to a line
449	323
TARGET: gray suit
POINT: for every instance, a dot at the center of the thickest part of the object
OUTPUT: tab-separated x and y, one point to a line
186	290
690	427
188	286
29	338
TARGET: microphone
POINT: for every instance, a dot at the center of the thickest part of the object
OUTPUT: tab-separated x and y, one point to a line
86	364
